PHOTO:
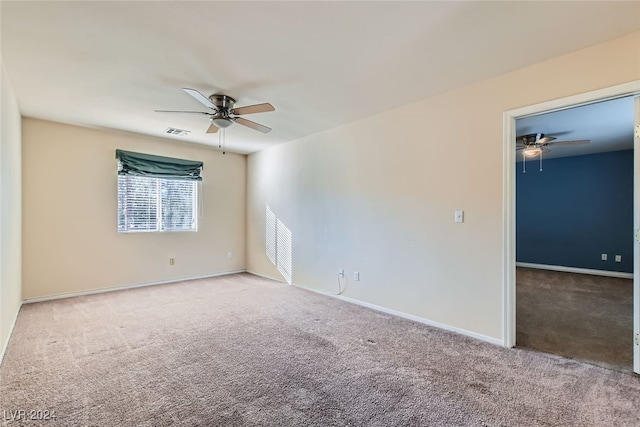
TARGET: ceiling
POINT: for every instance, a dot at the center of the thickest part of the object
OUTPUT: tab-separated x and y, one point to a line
607	125
321	64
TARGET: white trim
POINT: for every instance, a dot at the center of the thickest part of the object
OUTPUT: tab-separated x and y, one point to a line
388	311
392	312
636	227
5	346
509	232
605	94
264	276
508	195
618	274
124	287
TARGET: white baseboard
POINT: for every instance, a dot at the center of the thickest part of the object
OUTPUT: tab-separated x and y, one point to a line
123	287
562	268
390	311
424	321
264	276
5	345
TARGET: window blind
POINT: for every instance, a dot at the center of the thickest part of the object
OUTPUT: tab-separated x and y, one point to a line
154	204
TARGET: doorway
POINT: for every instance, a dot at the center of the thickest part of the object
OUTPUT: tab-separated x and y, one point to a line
509	167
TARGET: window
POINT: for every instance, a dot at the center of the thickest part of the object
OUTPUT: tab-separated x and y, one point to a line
156	204
157	193
278	240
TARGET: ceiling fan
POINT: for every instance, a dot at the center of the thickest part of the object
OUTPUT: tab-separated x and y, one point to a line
534	144
223	113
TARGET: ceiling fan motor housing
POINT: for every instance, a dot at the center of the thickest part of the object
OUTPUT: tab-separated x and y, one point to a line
532	138
223	102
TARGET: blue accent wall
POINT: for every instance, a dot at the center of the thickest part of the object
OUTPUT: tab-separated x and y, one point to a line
576	209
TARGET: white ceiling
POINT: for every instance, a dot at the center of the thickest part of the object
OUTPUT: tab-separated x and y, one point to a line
321	64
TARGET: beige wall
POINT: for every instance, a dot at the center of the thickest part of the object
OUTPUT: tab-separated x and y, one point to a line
70	241
378	196
10	210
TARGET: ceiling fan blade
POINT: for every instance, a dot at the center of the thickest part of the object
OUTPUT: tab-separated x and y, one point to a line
577	142
199	97
564	132
252	125
212	128
252	109
188	112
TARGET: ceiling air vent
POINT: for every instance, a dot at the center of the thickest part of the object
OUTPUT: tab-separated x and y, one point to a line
178	132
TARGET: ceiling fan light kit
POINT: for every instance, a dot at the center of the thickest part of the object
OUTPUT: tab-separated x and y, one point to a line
532	152
221	122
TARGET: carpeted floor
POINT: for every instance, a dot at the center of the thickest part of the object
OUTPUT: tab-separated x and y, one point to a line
244	351
579	316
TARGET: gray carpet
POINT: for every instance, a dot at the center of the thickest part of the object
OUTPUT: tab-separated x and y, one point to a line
579	316
244	351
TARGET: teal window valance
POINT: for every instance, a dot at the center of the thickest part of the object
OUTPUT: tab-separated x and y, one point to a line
141	164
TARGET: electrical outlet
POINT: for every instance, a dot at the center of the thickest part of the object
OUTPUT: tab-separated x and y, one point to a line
172	261
356	276
603	257
229	255
618	258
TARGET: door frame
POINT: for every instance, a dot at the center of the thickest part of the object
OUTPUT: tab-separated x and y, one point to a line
509	201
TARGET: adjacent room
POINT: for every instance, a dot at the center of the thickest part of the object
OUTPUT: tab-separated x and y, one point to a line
574	202
310	213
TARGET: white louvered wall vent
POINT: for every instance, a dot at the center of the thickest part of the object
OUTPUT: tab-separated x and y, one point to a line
179	132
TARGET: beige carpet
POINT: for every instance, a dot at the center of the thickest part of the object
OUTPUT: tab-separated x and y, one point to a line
579	316
243	351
